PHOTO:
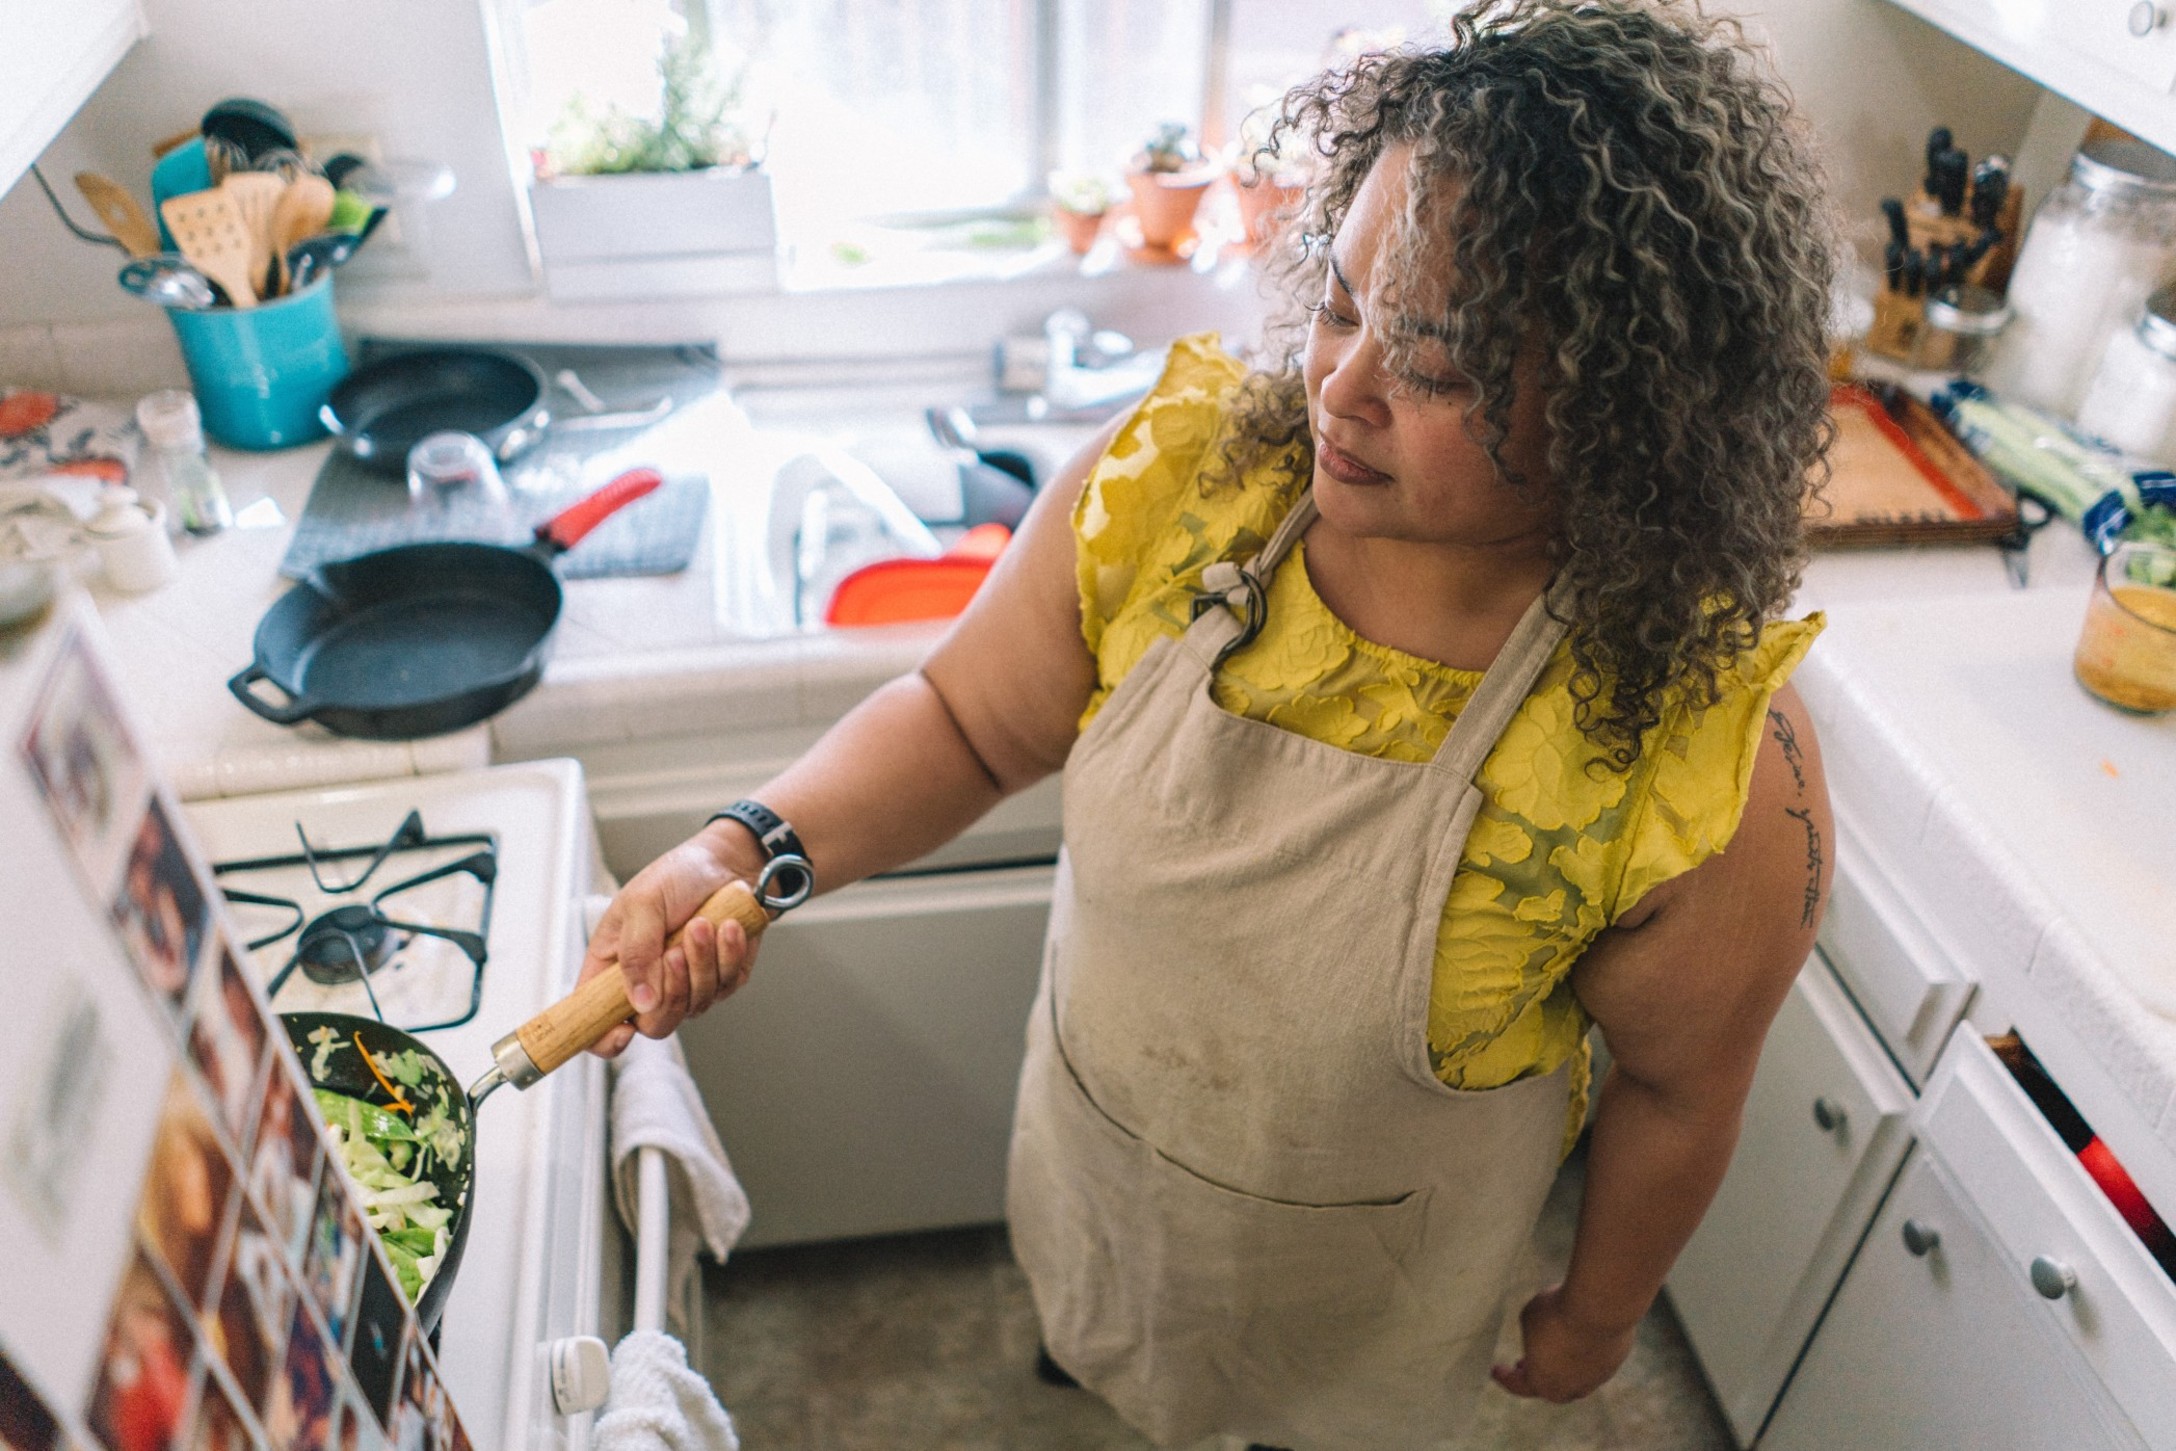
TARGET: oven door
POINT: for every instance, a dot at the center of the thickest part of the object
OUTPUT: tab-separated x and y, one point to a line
863	1081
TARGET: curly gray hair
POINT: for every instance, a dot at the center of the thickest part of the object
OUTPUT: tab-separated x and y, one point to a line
1626	188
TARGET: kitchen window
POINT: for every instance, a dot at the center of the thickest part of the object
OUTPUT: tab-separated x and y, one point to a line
938	111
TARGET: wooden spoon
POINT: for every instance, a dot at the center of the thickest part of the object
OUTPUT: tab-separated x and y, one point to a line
256	194
302	211
118	210
208	230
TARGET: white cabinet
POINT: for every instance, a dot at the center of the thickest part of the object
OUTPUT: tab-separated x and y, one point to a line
863	1081
1823	1134
1908	987
1933	1344
53	54
1999	1301
2114	57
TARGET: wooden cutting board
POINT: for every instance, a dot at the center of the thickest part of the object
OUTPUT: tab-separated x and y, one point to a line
1897	476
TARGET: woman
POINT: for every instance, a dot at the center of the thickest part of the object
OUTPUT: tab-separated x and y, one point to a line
1407	694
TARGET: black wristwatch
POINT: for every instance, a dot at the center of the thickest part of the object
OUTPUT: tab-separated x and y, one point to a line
787	878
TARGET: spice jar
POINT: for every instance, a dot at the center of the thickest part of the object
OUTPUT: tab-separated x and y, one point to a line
2131	401
170	419
1960	326
2097	246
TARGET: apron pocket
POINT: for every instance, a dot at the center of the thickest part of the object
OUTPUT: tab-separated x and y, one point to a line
1191	1304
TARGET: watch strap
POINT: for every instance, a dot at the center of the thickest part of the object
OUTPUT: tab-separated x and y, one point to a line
774	834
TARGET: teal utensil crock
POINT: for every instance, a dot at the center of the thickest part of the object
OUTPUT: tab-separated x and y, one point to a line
261	373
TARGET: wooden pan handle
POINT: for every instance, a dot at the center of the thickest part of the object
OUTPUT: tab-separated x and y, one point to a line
599	1005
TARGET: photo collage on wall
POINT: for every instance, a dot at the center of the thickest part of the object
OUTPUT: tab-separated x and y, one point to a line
256	1309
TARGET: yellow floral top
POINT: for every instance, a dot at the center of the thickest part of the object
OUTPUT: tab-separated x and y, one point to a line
1560	849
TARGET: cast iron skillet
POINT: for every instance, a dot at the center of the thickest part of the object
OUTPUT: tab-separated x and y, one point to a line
383	409
421	639
346	1073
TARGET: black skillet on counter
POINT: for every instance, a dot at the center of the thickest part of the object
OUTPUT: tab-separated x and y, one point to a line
386	407
421	639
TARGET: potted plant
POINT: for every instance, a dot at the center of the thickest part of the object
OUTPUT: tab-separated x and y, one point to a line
1168	177
1078	201
1269	174
664	205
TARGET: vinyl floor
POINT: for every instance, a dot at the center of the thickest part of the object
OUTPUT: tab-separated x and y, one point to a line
928	1341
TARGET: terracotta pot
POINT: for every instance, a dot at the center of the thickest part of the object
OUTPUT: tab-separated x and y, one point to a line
1078	228
1164	203
1263	207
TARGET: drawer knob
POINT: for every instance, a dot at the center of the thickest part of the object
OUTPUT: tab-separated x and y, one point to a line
1829	1115
2052	1278
2146	17
1921	1239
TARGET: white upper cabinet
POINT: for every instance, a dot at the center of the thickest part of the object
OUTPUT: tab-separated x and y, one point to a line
53	54
2116	58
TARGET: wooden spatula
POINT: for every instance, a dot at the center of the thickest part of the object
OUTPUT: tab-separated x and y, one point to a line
208	230
302	211
256	195
118	210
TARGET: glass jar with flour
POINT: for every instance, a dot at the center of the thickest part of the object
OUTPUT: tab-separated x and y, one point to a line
2096	248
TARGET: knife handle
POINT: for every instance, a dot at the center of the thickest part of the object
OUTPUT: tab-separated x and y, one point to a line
578	1020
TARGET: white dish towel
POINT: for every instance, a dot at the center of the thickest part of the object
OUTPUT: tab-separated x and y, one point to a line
658	1404
655	1104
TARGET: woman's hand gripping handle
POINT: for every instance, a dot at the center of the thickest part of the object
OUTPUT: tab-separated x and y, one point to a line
701	893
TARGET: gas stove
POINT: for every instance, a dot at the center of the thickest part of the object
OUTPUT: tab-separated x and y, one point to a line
398	930
451	906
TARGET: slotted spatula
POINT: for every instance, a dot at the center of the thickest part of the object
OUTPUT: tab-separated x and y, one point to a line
208	230
256	196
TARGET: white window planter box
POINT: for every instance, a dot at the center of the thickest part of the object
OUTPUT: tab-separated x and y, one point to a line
678	234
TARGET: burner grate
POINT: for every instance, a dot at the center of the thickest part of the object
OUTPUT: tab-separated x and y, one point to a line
348	940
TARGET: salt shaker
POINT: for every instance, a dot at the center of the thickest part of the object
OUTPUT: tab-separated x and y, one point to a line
169	418
130	536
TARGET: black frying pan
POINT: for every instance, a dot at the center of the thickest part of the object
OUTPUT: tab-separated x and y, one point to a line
421	639
345	1072
384	408
522	1057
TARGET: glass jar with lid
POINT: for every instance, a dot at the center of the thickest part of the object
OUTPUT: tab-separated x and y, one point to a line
2131	400
1962	324
2097	246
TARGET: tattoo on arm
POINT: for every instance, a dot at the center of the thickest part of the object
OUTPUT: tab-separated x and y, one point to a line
1786	736
1811	909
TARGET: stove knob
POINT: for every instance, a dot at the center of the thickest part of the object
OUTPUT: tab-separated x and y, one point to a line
581	1374
2146	17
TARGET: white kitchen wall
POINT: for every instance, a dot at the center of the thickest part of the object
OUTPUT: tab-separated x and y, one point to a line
415	74
1874	80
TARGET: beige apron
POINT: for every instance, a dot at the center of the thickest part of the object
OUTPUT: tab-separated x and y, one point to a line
1242	1198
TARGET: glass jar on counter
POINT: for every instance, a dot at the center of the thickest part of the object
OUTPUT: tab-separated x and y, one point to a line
2098	245
2131	400
1958	331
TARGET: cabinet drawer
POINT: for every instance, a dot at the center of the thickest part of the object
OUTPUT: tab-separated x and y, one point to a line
1931	1345
2120	1310
1824	1130
1905	983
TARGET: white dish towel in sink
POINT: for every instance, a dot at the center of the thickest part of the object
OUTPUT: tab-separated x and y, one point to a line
658	1403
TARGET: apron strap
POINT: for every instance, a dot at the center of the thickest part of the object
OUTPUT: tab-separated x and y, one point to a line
1243	590
1510	679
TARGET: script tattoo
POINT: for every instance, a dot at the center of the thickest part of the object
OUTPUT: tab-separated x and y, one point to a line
1803	815
1786	736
